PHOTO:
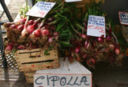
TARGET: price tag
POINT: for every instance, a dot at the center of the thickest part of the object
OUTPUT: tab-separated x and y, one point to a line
123	16
96	26
65	76
72	0
40	9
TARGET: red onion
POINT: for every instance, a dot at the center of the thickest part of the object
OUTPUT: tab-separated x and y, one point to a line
9	47
117	51
100	39
83	36
91	61
30	28
13	26
86	44
50	40
30	22
111	46
45	32
84	56
22	21
37	33
77	50
20	27
21	47
55	34
109	38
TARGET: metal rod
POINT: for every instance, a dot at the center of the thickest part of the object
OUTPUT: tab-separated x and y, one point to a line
6	10
4	61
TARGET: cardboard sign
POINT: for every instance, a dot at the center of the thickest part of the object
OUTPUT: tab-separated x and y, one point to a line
72	0
40	9
96	26
65	76
123	16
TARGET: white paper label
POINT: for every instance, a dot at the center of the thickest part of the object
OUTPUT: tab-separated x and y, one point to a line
72	0
123	16
96	26
40	9
62	80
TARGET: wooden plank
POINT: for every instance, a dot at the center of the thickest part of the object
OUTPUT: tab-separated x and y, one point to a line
32	60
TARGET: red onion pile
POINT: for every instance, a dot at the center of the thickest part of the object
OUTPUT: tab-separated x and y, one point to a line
29	34
91	50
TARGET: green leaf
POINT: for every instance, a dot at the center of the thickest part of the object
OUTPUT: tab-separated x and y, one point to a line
65	44
46	52
60	26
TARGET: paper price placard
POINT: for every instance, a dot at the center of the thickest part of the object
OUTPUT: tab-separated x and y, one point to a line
72	0
58	80
40	9
96	26
65	76
123	16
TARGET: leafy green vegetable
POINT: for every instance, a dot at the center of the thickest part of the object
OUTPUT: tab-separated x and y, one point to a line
24	10
46	52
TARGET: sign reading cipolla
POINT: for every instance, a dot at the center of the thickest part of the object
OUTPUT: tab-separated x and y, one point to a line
40	9
96	26
65	76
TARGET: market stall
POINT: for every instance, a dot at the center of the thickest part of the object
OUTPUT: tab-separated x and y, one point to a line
56	42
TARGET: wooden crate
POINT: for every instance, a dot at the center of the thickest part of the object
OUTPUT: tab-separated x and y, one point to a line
32	60
29	77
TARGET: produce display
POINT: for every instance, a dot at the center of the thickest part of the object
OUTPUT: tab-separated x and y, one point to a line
66	26
90	50
30	34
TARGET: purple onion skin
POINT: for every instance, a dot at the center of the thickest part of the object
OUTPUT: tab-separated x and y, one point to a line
100	39
109	38
77	50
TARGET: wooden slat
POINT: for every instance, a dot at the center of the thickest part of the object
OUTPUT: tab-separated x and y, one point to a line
38	62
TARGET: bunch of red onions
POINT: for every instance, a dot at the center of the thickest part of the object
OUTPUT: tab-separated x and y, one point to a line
29	34
90	50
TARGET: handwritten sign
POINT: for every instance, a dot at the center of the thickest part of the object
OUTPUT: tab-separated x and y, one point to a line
40	9
65	76
123	16
96	26
62	81
72	0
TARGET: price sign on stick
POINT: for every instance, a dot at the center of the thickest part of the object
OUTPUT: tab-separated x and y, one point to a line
123	16
96	26
40	9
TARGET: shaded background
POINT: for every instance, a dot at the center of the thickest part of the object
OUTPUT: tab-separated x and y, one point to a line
112	7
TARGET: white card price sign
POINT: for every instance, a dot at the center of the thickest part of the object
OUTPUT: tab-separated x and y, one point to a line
40	9
96	26
65	76
123	16
72	0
